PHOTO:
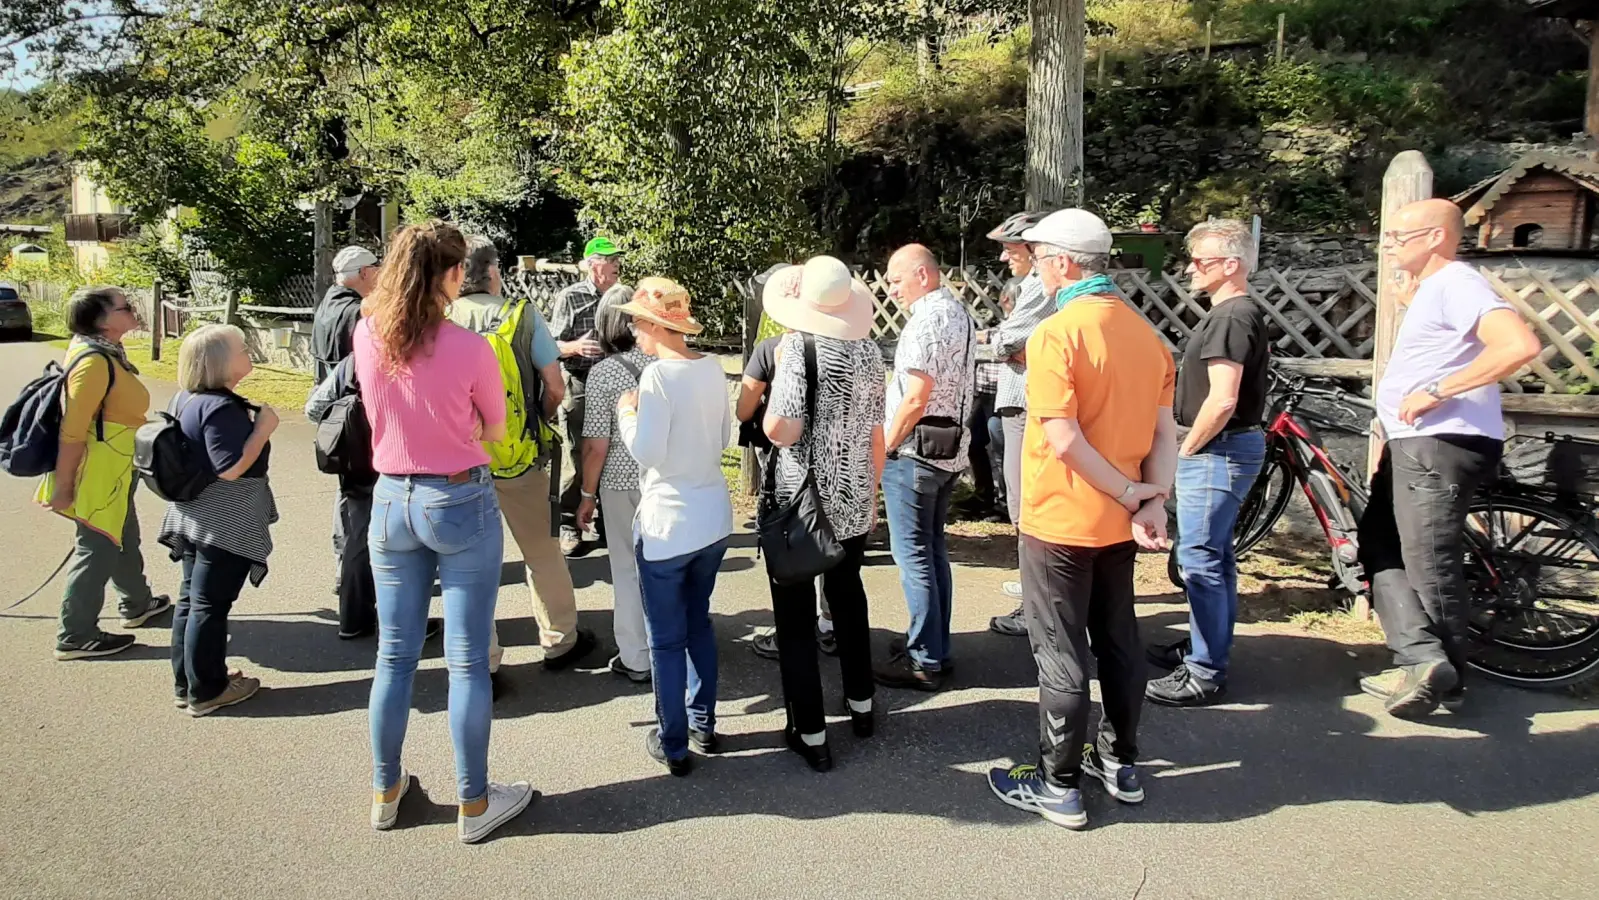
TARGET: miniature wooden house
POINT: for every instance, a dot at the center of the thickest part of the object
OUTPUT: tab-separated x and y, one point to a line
1544	203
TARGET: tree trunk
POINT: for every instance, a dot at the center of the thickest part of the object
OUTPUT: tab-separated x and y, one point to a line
1055	104
322	248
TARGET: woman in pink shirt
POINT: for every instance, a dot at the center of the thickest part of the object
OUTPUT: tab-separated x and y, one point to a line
432	393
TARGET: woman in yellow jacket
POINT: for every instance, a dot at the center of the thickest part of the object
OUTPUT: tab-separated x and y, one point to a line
93	481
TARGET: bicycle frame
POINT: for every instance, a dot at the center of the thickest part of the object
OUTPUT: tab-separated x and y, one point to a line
1334	496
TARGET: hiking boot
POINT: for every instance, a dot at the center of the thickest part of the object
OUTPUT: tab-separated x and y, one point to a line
657	752
386	811
506	802
240	688
158	605
1121	781
1184	687
903	672
581	647
637	676
1014	624
1169	656
765	646
1024	787
1385	684
102	644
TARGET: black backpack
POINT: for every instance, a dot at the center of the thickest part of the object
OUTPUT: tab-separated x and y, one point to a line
30	432
344	441
175	467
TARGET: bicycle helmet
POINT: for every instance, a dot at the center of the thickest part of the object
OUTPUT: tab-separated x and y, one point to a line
1010	230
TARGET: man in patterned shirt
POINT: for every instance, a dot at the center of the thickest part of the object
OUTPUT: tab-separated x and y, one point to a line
928	444
1009	342
572	321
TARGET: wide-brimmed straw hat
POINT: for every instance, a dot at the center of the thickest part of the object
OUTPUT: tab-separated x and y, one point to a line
820	297
664	302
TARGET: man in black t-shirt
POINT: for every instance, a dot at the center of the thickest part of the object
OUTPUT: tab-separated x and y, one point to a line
1221	399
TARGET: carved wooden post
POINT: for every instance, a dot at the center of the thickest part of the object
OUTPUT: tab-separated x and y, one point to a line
158	318
1409	178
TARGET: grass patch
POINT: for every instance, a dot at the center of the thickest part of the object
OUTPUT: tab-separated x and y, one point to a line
281	389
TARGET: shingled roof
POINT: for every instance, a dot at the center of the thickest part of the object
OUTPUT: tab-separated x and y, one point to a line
1479	199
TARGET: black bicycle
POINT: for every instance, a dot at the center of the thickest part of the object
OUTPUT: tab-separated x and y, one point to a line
1532	535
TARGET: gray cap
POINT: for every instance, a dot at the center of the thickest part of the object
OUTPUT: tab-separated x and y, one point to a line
352	259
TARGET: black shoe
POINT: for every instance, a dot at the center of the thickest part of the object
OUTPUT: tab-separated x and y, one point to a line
896	647
583	646
435	629
1411	692
863	723
903	672
705	743
637	676
498	686
820	759
156	607
1013	625
1184	688
368	631
1168	656
827	641
101	645
678	767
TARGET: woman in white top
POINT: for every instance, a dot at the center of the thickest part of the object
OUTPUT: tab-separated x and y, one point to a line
675	426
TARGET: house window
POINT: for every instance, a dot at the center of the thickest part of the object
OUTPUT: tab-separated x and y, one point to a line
1529	235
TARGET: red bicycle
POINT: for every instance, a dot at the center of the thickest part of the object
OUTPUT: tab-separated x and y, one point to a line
1533	547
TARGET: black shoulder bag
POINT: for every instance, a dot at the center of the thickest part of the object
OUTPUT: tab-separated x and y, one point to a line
796	538
939	437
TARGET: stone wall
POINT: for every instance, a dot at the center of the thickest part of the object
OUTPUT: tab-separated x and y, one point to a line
1305	250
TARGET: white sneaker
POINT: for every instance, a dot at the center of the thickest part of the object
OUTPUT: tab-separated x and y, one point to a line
1012	589
506	802
384	814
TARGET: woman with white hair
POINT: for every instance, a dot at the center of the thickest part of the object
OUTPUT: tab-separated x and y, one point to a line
221	536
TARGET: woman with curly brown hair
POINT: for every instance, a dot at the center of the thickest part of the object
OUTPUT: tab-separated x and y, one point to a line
433	394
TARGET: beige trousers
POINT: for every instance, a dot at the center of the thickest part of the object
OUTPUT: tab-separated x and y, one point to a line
525	503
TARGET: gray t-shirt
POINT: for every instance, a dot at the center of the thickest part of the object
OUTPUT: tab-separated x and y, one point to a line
1438	338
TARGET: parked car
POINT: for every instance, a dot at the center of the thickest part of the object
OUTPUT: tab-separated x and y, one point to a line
16	319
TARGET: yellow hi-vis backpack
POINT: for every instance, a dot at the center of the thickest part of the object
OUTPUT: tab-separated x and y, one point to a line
527	434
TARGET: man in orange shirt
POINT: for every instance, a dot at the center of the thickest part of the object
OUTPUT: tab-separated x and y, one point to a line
1098	457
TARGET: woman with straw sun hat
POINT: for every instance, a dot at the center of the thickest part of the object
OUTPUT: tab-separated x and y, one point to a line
825	419
676	425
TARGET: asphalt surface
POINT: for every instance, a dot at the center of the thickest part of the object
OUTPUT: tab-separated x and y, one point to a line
1299	788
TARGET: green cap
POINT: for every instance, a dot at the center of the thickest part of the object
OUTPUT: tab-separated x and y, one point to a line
600	246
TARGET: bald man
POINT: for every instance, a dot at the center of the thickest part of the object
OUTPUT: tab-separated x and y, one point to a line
1438	407
928	443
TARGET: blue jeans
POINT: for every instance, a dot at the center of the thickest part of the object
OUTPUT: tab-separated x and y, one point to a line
916	497
677	609
212	580
424	526
1211	486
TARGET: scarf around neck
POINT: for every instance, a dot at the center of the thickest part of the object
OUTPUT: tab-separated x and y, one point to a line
1098	284
109	348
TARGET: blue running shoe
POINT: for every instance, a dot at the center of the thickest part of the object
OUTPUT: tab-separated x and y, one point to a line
1120	781
1024	788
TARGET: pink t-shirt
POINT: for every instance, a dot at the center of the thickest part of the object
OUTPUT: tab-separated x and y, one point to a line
423	416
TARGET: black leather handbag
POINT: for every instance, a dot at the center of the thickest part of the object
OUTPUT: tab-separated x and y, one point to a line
796	538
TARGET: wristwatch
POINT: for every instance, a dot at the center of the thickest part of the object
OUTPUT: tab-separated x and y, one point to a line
1433	389
1131	486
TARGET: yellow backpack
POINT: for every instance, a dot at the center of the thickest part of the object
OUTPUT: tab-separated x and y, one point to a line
528	434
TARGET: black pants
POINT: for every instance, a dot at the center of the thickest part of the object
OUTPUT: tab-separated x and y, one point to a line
358	598
794	607
212	579
1074	595
982	451
1412	542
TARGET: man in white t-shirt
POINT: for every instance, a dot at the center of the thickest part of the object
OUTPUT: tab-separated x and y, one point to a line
1438	404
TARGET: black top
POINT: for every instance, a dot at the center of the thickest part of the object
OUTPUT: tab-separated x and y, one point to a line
333	328
1235	330
763	368
220	422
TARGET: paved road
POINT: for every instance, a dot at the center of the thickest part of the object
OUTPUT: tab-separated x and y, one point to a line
1298	789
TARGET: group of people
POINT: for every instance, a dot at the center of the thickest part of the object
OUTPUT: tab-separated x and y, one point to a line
463	392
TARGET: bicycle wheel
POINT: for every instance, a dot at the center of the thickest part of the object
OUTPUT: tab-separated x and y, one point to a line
1533	570
1262	507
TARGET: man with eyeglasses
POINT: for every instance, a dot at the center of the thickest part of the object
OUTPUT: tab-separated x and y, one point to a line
1438	408
1221	399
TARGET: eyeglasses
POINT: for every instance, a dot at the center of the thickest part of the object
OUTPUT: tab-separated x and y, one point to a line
126	309
1400	238
1205	262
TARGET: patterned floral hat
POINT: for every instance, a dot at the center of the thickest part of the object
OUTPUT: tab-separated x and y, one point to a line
664	302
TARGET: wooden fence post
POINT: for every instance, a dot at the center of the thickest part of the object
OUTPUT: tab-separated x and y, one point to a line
1408	179
158	318
230	313
1210	25
1282	33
